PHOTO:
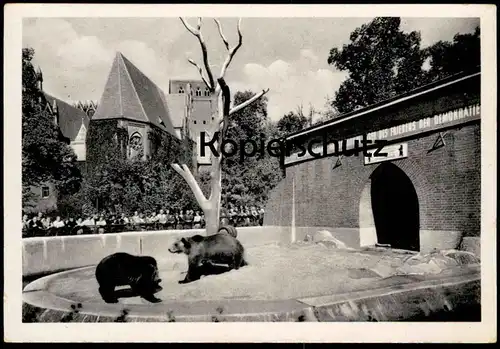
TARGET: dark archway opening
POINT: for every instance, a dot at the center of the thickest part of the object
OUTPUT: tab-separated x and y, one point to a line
395	208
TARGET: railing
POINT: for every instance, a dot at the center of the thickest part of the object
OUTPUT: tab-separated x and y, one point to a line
118	228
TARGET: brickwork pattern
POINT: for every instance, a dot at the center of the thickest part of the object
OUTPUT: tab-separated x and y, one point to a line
447	181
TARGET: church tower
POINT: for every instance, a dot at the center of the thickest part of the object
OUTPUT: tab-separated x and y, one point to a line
195	112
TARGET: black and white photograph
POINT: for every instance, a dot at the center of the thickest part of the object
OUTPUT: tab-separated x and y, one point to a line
198	164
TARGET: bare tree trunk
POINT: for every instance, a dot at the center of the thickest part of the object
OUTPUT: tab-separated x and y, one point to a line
212	214
212	221
211	207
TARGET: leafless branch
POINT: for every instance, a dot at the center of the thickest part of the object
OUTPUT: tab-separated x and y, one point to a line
197	33
232	51
241	106
219	26
248	102
300	110
193	184
189	28
200	71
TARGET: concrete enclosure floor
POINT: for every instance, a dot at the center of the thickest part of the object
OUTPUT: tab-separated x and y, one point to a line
275	272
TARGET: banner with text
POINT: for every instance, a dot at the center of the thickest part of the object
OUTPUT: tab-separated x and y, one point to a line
433	123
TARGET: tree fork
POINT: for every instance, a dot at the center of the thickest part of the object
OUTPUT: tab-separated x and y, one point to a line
211	206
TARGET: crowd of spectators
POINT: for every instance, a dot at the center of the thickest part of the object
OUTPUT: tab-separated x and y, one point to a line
106	222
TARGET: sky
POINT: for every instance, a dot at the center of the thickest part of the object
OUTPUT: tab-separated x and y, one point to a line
287	55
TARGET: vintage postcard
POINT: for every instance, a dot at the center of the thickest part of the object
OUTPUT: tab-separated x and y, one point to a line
169	167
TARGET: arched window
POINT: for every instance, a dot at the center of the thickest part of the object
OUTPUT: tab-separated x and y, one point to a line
207	92
181	89
198	92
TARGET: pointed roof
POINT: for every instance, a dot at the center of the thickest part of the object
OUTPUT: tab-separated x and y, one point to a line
70	118
176	105
132	95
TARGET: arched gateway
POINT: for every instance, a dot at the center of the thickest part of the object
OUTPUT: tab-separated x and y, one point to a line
389	210
423	194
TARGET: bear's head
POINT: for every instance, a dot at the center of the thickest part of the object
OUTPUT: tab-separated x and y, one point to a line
183	245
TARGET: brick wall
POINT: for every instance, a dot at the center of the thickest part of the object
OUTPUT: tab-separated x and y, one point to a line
447	182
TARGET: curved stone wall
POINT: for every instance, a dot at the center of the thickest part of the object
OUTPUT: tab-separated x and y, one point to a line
51	254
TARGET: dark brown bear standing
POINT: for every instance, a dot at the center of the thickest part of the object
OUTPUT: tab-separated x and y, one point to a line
218	249
120	269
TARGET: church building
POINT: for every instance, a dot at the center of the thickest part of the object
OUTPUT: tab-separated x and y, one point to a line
139	106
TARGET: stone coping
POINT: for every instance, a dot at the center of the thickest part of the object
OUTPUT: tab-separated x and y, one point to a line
138	232
42	255
49	254
454	287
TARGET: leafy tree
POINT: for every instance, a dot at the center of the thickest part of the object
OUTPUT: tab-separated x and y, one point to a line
248	122
292	122
248	182
383	61
127	186
327	115
448	58
72	205
266	173
44	156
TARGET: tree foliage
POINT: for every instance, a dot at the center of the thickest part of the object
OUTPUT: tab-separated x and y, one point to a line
292	122
45	157
384	61
248	182
381	60
116	183
127	186
448	58
248	122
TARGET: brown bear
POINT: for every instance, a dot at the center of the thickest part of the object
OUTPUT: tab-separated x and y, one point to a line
214	249
120	269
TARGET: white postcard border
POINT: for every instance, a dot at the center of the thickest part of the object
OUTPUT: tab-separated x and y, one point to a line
16	331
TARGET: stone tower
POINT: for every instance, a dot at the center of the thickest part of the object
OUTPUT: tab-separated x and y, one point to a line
200	110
